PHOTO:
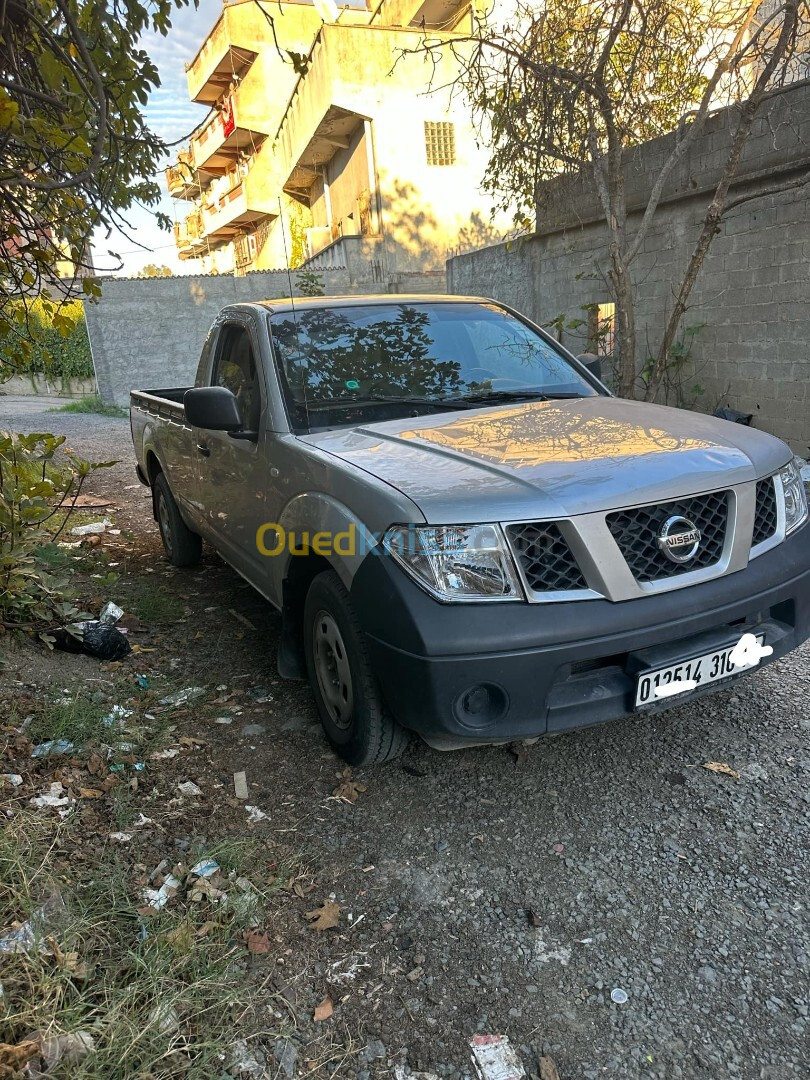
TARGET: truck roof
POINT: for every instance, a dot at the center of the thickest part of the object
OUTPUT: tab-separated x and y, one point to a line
303	302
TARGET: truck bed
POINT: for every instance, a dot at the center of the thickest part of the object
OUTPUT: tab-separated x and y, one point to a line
166	402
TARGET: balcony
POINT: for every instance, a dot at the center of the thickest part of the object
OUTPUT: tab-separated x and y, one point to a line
217	144
189	237
219	62
430	15
235	210
182	178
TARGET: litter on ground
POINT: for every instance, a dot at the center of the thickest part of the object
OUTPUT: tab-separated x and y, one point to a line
52	746
240	787
95	528
205	868
182	697
495	1059
54	797
159	898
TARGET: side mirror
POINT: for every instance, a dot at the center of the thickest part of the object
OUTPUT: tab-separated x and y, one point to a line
212	407
593	363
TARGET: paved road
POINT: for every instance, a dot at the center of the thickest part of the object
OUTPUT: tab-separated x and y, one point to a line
644	872
23	405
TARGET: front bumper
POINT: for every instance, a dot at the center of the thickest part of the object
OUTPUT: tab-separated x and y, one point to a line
551	668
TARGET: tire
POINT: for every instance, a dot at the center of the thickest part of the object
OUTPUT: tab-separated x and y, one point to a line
355	719
182	546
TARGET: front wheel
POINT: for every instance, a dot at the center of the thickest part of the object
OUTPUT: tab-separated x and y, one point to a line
354	716
183	547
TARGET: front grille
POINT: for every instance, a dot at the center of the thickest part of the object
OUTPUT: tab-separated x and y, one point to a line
636	531
765	516
545	557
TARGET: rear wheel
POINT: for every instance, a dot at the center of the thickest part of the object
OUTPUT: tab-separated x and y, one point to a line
353	714
182	546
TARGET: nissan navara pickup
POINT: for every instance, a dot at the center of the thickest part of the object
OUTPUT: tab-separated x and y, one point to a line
466	534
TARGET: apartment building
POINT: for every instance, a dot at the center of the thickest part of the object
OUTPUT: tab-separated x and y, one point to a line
344	156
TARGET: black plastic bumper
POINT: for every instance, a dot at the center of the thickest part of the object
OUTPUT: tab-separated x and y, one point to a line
467	673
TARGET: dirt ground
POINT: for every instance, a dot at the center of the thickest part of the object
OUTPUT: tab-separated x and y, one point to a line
478	891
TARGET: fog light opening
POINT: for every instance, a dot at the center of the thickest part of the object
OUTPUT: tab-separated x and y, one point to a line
481	705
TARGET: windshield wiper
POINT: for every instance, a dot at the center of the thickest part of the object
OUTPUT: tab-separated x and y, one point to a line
365	400
513	395
469	401
435	403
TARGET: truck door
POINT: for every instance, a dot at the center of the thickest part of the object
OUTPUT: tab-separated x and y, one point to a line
232	474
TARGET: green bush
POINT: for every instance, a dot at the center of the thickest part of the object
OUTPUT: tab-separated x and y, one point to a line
37	497
56	353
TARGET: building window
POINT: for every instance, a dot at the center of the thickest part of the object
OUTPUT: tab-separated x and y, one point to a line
602	329
440	143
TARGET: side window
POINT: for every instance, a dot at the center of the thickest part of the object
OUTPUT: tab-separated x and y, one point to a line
235	368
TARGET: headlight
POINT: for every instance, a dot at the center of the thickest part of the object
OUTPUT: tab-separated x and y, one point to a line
794	495
456	562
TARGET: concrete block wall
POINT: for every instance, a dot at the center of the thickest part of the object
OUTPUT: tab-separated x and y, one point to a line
149	332
752	299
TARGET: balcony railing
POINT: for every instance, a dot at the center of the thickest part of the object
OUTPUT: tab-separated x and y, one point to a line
233	210
182	178
189	235
217	64
218	143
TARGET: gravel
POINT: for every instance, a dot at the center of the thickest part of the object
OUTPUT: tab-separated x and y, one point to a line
686	889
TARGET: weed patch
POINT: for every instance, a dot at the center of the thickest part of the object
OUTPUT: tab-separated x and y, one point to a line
92	404
155	996
156	606
78	720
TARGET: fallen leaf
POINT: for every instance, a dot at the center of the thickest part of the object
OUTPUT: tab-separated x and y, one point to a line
548	1070
14	1057
181	937
96	765
324	1010
721	767
258	943
74	966
325	917
205	889
349	790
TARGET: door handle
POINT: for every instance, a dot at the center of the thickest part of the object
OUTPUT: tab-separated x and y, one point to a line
203	449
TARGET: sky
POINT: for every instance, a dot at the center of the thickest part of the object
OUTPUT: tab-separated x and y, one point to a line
172	116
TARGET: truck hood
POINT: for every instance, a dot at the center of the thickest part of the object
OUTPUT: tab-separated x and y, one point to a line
554	458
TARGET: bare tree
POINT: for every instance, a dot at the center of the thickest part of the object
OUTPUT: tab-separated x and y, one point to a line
571	87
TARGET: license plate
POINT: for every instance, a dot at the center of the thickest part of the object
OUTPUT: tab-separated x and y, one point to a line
709	668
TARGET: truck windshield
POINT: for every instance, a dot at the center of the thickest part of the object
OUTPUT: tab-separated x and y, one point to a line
370	362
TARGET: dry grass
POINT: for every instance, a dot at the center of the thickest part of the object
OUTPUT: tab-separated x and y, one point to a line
161	996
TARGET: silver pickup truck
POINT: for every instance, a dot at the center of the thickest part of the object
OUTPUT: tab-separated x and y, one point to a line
466	534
